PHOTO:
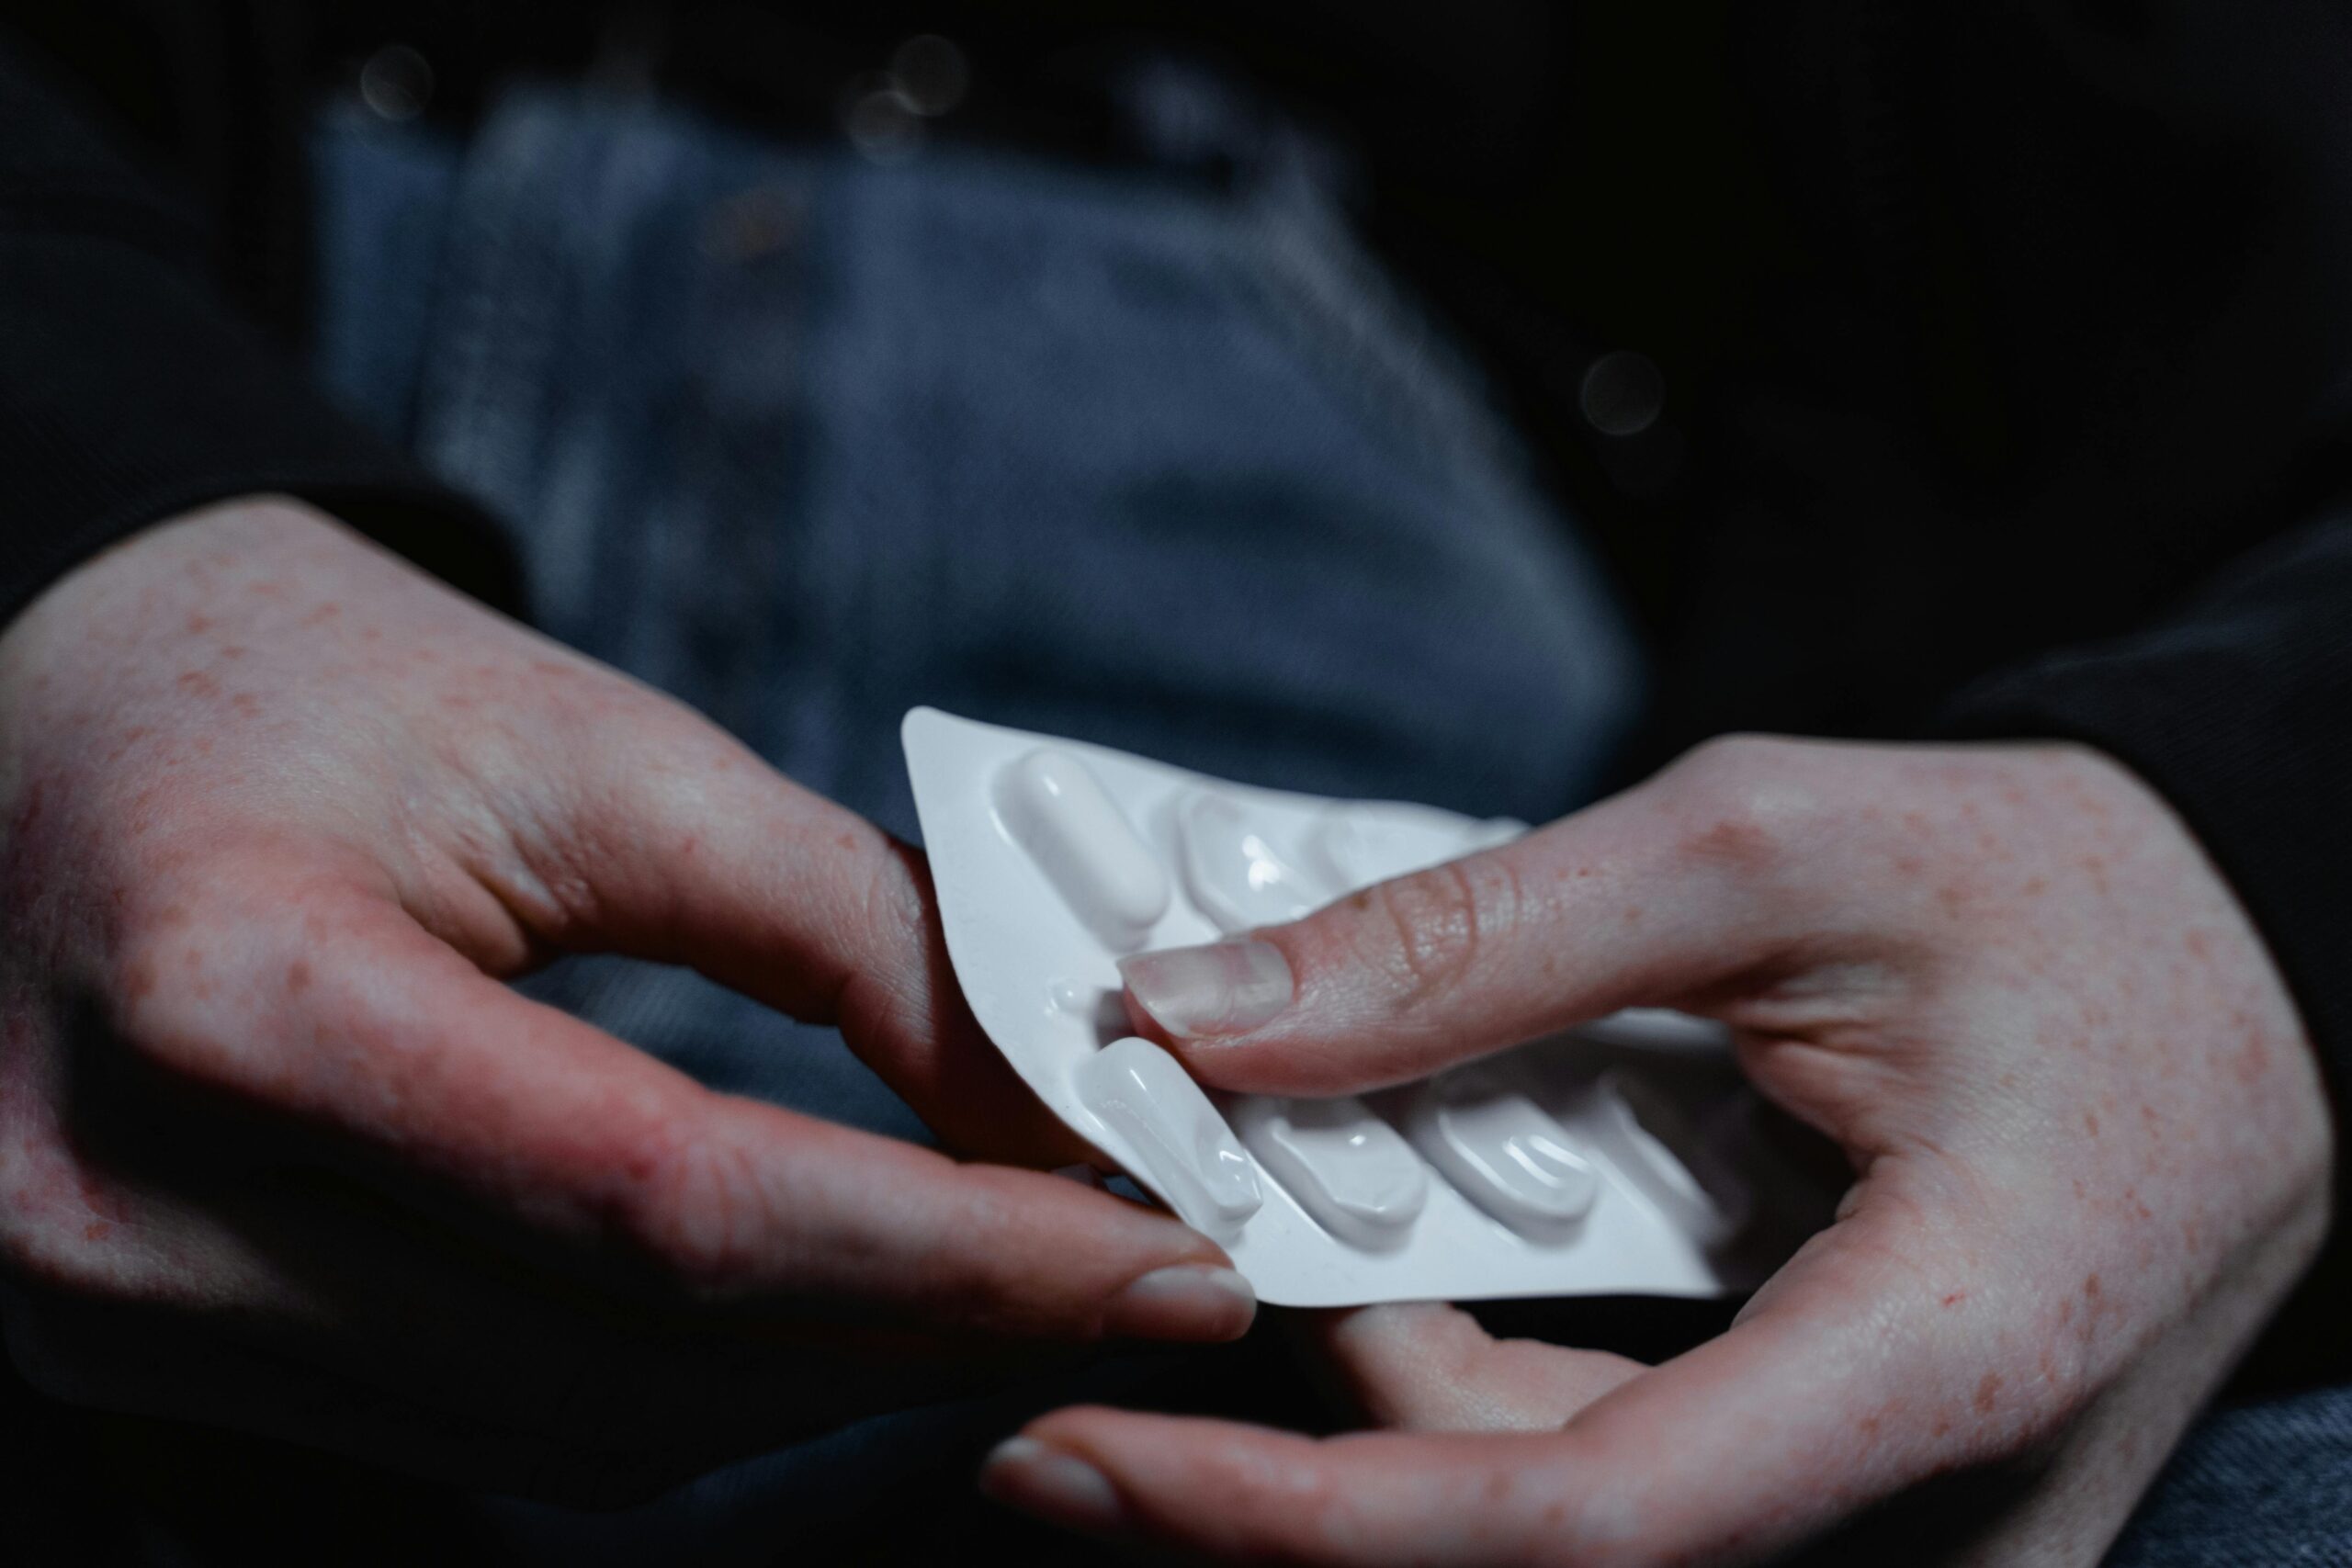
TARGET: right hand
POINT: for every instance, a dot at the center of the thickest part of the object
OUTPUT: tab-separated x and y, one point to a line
2090	1147
279	1152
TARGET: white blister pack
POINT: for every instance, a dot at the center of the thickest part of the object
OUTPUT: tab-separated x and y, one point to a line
1620	1159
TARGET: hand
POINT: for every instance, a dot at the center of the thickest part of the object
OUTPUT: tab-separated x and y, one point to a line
279	1152
2089	1144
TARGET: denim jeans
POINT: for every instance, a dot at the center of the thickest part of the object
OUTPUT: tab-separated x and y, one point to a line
805	441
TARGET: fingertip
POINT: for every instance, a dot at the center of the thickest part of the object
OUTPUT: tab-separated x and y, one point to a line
1230	1490
1201	1302
1069	1427
1245	1064
1036	1253
1218	989
1053	1483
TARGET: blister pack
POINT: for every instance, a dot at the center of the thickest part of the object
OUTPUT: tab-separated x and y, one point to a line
1622	1158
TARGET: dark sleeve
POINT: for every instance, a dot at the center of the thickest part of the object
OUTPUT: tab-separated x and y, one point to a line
129	390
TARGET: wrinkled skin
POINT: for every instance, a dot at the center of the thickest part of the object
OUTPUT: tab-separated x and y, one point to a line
2089	1146
278	1151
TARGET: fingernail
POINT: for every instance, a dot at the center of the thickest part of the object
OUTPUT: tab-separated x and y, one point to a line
1062	1487
1184	1301
1226	987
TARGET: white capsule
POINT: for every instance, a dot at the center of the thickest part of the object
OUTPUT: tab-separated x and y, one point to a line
1187	1153
1347	1167
1658	1029
1500	1151
1646	1135
1076	833
1233	874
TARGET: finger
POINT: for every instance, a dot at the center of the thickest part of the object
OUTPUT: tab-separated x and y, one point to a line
1847	1366
1663	895
325	1004
1421	1367
676	843
1244	1494
339	1292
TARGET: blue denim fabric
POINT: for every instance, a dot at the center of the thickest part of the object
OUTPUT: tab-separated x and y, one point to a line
805	441
2269	1484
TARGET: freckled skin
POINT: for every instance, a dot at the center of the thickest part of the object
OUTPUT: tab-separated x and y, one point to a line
277	814
2091	1147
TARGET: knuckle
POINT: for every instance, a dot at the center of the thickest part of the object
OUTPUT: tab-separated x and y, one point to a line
892	898
247	991
1428	929
178	1006
558	852
701	1213
1738	803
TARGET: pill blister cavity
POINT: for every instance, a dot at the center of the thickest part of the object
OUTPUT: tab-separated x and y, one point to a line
1502	1152
1233	872
1344	1166
1187	1152
1658	1029
1647	1135
1055	809
1053	858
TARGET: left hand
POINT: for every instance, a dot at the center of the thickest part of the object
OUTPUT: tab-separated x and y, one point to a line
2090	1144
280	1152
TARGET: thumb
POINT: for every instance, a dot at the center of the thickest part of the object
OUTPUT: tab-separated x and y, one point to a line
682	846
1670	893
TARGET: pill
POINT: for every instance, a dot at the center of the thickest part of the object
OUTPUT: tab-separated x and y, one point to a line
1233	874
1658	1029
1644	1135
1188	1155
1500	1151
1057	810
1347	1167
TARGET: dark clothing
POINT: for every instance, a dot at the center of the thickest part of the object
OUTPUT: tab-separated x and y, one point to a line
133	391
